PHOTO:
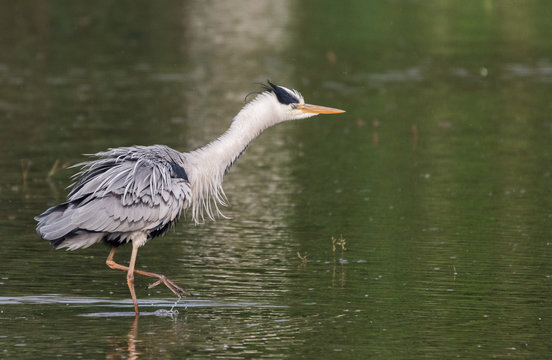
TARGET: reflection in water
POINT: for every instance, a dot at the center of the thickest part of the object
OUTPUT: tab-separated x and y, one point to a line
198	328
132	340
230	46
338	246
221	333
131	351
439	178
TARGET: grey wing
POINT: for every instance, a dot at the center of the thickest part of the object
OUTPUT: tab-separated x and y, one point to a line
118	195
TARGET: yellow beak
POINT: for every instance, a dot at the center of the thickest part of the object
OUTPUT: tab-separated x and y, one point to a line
317	109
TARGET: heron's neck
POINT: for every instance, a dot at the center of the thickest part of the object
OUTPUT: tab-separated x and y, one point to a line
219	155
209	163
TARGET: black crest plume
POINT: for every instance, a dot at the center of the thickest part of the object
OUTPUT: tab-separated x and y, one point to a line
283	96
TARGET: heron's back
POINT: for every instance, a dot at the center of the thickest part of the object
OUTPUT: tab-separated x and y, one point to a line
123	191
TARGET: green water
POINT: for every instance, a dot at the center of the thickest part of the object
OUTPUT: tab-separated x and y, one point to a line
438	178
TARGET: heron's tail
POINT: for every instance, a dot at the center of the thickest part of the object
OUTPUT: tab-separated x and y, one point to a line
55	225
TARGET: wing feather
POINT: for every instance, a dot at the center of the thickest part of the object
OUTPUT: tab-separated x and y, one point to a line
123	191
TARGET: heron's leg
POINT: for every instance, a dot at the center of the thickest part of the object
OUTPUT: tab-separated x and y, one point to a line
177	290
129	269
130	277
112	264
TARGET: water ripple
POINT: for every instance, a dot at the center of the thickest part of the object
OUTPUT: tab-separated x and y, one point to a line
79	301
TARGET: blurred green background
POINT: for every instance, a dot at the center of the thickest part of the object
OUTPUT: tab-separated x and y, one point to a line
436	181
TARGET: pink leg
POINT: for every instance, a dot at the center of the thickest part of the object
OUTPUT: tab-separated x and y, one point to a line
177	290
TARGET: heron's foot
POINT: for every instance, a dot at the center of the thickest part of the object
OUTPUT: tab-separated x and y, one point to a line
177	290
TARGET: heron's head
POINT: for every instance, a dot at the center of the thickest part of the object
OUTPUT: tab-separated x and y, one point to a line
291	105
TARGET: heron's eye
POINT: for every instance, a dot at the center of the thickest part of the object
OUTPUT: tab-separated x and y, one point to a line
294	106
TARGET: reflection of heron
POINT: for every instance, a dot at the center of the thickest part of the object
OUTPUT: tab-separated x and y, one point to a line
136	193
119	351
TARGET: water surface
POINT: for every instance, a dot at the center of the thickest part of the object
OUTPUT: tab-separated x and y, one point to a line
435	185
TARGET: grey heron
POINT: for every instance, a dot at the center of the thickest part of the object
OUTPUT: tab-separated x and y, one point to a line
133	194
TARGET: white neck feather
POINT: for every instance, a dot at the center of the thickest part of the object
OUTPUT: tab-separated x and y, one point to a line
207	165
